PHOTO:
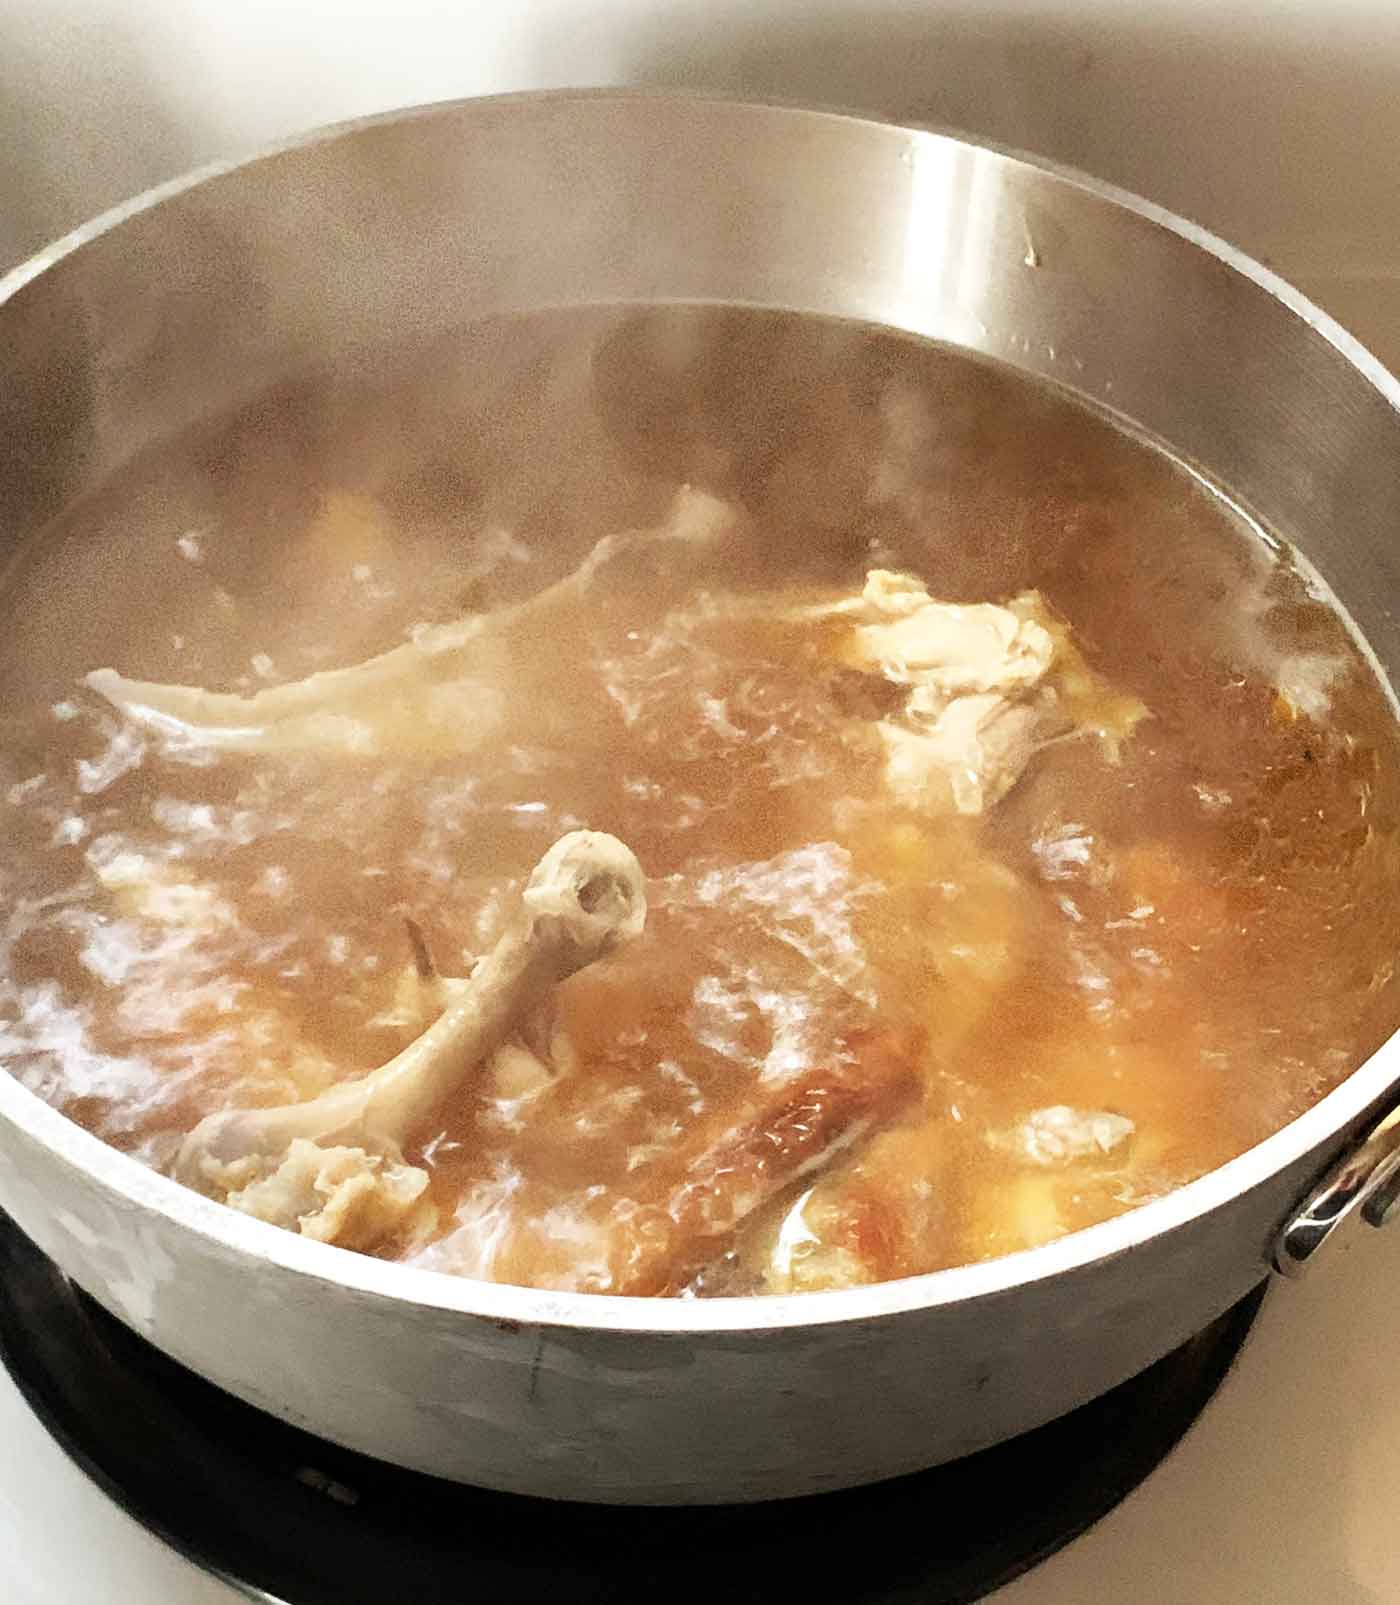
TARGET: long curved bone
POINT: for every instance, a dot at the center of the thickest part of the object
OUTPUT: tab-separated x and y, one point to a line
585	897
356	710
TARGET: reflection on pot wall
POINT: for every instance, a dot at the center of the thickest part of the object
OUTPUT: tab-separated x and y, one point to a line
1269	123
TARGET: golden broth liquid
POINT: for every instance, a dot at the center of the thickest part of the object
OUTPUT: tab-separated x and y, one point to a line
1198	938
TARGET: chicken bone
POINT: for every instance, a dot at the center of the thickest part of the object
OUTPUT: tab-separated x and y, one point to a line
333	1165
444	683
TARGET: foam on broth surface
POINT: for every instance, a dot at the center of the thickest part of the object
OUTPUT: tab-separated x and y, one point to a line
1192	943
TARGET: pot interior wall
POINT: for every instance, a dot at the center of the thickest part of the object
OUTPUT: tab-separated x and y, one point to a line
328	252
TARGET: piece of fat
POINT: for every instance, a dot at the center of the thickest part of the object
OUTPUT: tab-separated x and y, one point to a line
1059	1135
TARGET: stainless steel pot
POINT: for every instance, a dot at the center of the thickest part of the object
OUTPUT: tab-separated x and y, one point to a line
195	297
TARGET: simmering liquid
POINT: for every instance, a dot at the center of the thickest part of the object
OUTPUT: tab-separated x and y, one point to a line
865	1033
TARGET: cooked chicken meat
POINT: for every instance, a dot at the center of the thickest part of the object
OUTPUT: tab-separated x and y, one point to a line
986	684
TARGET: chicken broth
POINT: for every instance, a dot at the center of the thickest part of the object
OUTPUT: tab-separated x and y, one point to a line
1019	823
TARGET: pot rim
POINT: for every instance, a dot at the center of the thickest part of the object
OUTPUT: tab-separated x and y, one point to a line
134	1185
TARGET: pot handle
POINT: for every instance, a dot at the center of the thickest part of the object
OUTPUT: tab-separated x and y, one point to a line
1366	1178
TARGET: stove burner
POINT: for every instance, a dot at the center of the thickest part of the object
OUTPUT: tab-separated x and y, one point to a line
285	1517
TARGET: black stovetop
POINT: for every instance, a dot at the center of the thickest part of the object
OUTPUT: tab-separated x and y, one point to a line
286	1517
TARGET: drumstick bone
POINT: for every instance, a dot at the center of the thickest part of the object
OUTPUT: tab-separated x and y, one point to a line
585	897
